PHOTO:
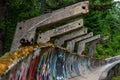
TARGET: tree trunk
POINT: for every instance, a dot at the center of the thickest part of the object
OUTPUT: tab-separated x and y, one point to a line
2	38
2	9
43	5
3	15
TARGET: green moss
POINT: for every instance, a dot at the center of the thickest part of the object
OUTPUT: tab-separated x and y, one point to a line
116	78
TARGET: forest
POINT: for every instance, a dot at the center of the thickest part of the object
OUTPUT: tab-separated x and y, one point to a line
103	18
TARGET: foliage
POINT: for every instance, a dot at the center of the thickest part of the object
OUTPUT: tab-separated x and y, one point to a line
116	78
18	10
105	23
103	19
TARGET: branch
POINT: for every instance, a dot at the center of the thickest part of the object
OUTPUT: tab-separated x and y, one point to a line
103	6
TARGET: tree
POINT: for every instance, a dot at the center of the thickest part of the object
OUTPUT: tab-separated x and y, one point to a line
2	38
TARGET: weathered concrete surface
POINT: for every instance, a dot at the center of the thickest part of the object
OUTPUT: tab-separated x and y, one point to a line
26	29
81	46
80	64
69	36
93	45
88	68
112	64
99	73
45	37
71	43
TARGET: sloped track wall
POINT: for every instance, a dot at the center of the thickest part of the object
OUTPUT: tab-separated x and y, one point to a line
51	62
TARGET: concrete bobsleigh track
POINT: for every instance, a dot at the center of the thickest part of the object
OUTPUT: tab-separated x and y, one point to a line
43	61
76	67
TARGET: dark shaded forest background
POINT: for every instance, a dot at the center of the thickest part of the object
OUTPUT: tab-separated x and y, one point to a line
103	18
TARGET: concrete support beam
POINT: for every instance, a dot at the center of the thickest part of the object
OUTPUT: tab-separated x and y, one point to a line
45	37
93	45
70	36
71	44
27	29
81	46
92	48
